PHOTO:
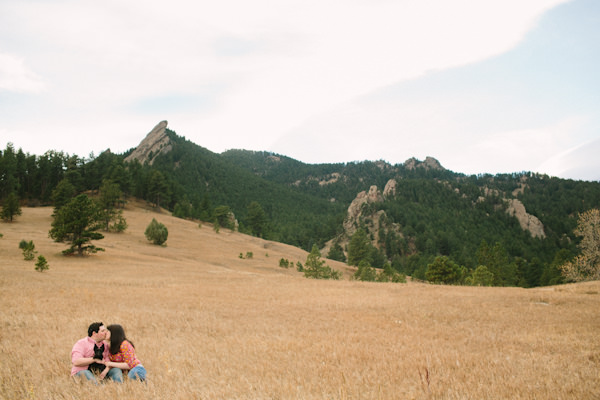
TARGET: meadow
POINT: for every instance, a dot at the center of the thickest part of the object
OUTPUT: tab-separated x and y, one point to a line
209	324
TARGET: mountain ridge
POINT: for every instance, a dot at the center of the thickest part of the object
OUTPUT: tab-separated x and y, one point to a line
522	221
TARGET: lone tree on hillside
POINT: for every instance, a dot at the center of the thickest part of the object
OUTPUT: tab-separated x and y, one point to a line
586	266
156	232
28	249
42	264
316	268
10	207
76	223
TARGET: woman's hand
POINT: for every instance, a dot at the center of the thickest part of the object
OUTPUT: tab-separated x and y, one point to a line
103	373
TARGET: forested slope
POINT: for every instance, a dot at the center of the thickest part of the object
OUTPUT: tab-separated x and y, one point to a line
434	212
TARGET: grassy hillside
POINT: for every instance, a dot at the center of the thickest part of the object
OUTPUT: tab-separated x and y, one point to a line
434	212
208	324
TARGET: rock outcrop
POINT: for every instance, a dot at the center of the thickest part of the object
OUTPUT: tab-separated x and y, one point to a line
390	188
429	163
527	221
355	208
155	143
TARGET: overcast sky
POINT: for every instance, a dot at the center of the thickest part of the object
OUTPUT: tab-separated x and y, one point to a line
483	86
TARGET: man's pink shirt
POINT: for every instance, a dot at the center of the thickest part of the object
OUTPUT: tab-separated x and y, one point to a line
84	348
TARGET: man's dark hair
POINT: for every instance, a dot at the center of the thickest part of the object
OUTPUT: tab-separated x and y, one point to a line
95	327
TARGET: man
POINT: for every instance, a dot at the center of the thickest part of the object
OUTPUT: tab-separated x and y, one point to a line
90	354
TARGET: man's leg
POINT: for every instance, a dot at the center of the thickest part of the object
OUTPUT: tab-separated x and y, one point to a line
87	375
115	374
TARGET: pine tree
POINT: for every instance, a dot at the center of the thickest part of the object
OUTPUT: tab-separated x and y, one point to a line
42	264
77	223
256	220
28	249
359	248
316	268
443	270
11	207
109	198
156	232
62	194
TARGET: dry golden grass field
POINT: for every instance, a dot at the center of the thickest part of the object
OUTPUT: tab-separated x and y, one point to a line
208	324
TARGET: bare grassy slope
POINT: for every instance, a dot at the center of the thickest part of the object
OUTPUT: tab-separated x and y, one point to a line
209	325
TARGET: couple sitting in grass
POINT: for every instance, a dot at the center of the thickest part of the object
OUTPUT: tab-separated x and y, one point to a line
104	354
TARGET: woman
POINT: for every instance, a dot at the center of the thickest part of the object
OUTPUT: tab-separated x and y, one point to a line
122	353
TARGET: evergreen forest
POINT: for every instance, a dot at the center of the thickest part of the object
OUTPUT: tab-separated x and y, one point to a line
436	217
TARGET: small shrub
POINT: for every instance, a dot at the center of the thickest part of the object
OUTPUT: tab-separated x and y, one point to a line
249	254
120	223
283	263
156	232
41	265
28	249
398	278
365	272
481	276
443	271
299	266
241	256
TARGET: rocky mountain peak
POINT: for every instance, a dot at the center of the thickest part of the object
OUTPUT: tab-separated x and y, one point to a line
156	142
429	163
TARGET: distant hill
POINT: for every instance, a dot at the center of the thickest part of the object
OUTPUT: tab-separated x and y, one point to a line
521	224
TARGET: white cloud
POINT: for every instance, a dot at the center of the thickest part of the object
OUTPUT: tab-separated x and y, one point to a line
578	162
15	76
256	75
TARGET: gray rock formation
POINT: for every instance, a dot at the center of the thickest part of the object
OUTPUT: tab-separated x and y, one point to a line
429	163
527	221
355	208
155	143
390	188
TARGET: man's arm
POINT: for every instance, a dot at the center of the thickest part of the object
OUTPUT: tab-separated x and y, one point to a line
80	357
85	361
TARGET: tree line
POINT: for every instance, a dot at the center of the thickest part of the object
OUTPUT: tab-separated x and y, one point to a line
435	214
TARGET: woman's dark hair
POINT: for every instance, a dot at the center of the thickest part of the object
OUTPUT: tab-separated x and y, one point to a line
117	335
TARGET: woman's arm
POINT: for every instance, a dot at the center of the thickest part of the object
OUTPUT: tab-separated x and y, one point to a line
113	364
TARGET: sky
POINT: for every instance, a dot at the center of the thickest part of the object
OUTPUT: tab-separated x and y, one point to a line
483	86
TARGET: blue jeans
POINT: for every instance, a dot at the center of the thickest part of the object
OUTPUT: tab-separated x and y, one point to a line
114	374
137	372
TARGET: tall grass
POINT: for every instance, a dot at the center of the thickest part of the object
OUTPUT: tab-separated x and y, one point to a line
208	325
